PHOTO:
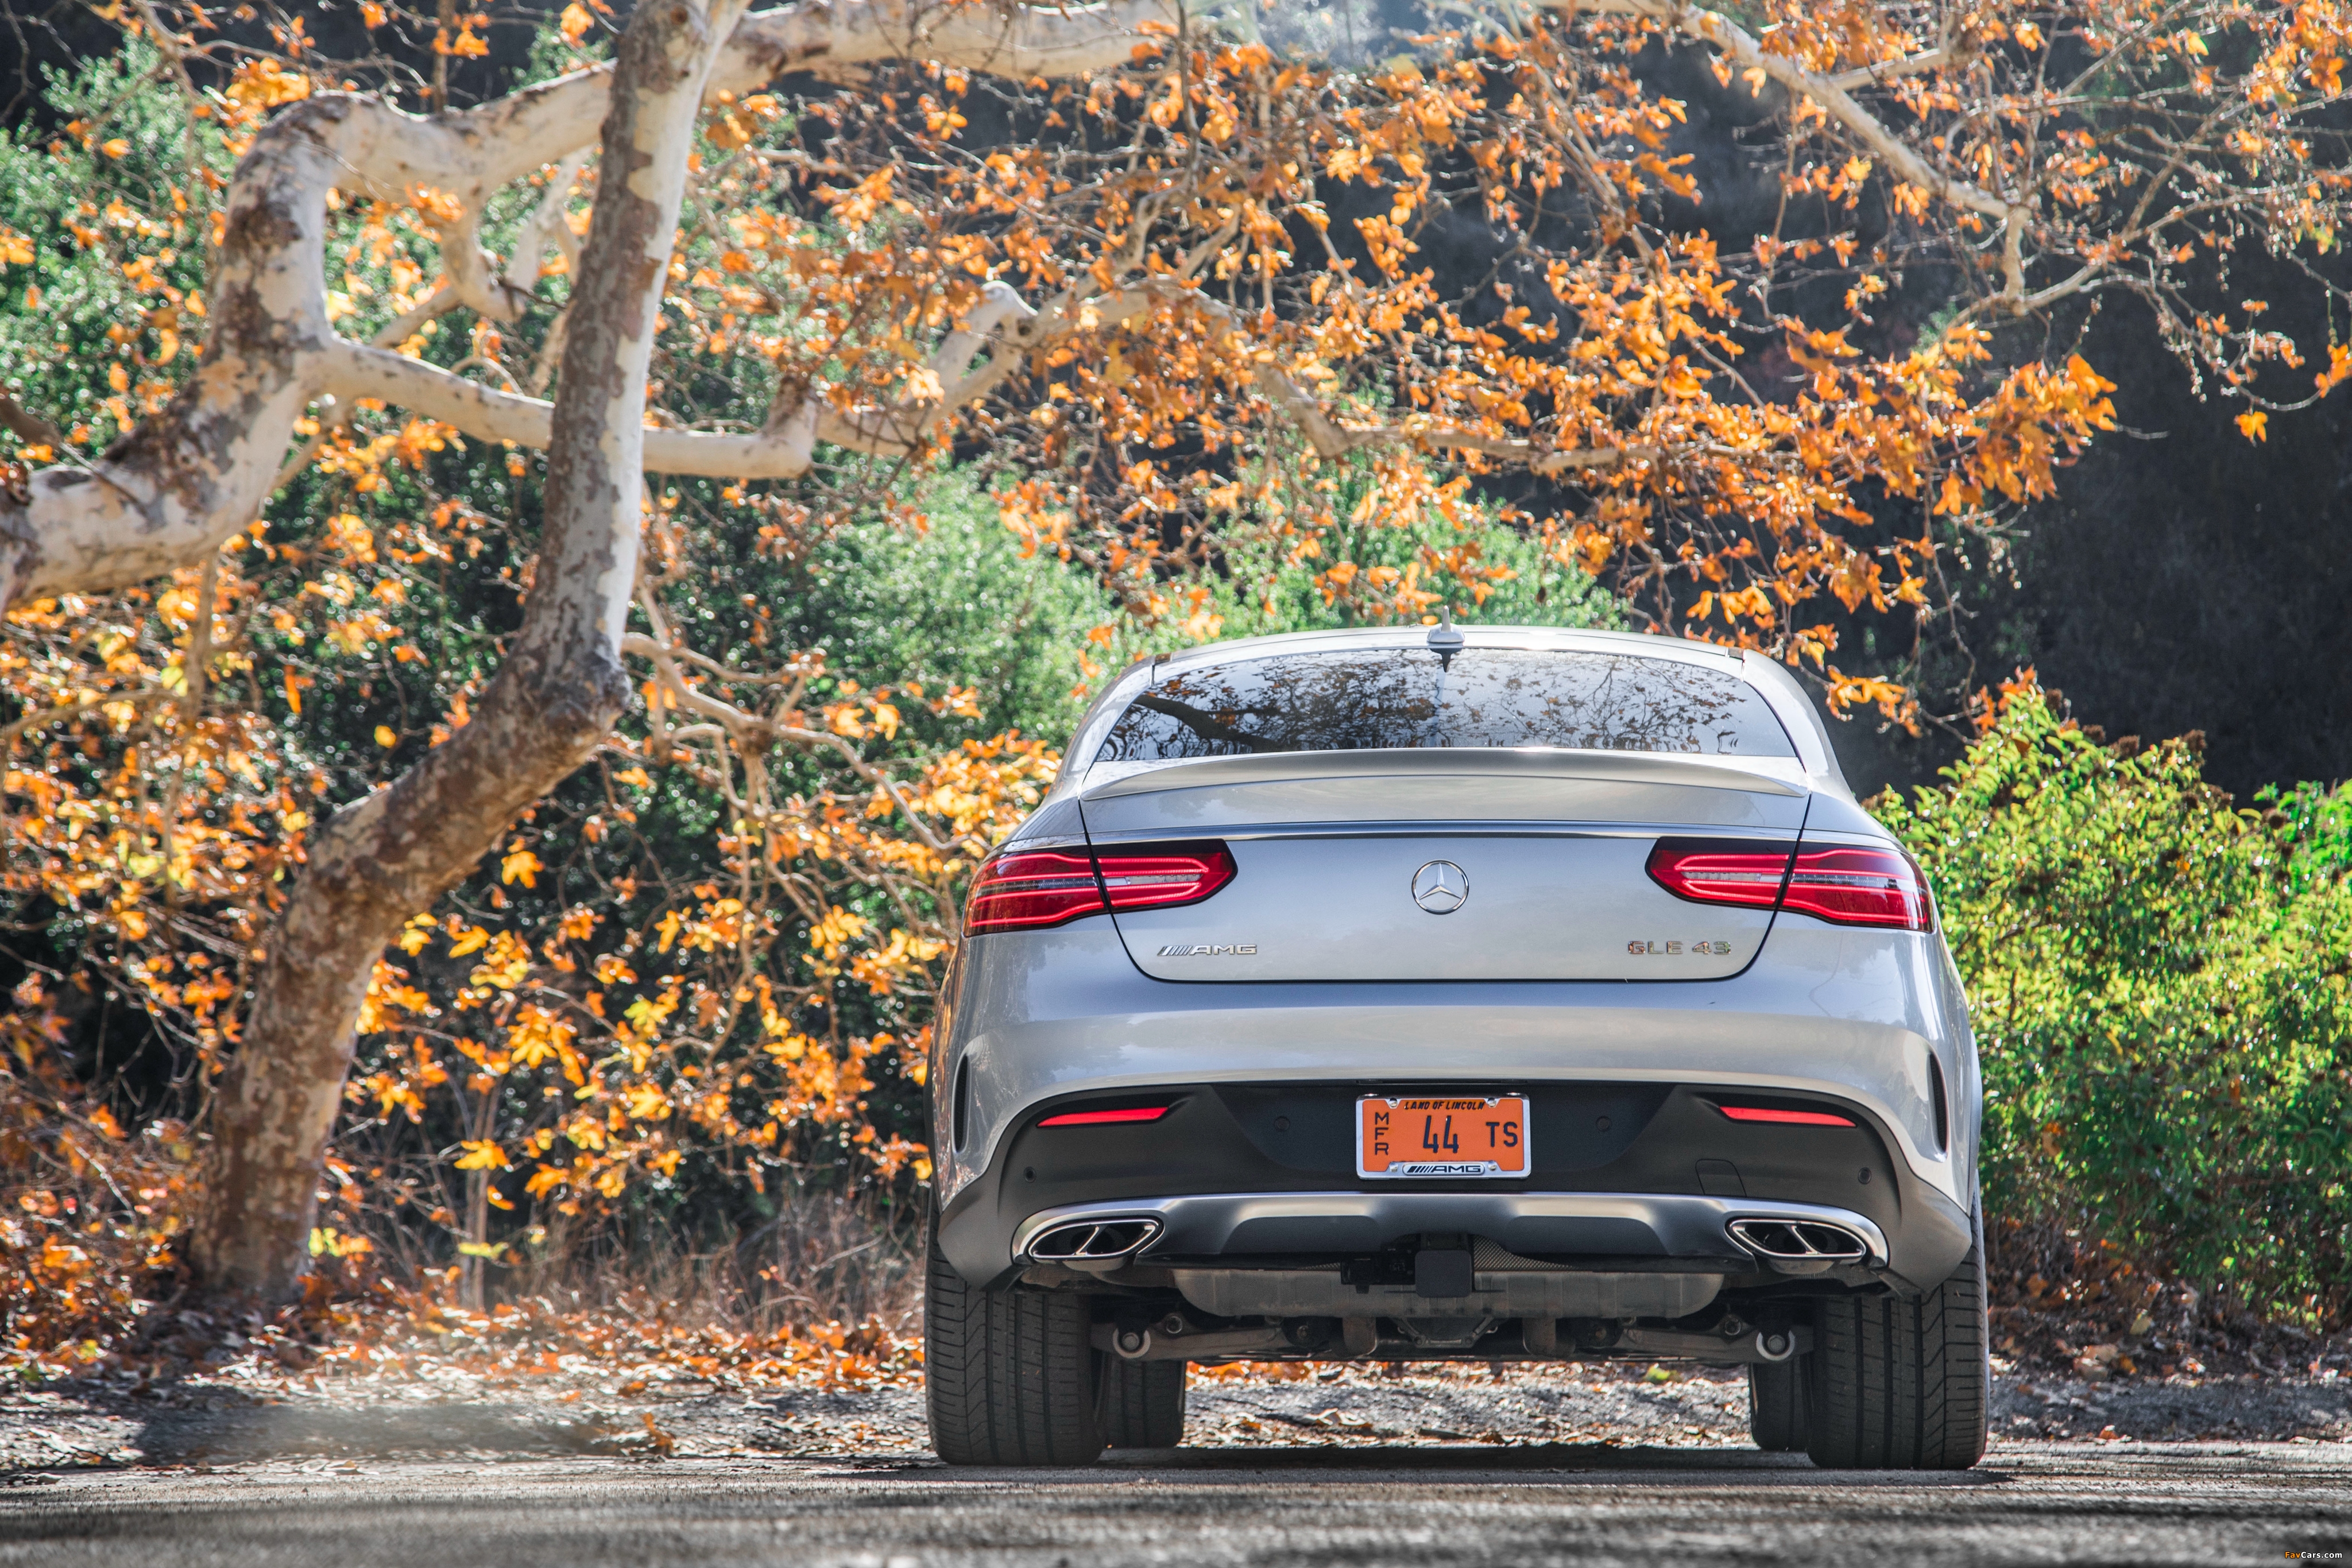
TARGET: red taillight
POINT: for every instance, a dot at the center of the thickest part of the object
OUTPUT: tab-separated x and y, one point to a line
1851	886
1860	887
1163	874
1709	873
1097	1118
1031	888
1786	1118
1027	890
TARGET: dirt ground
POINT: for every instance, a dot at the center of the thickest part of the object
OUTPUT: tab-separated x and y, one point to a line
595	1460
242	1415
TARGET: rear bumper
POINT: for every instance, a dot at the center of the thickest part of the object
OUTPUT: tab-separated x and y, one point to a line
1635	1255
1630	1179
1623	1230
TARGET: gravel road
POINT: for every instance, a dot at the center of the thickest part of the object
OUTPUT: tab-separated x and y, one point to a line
1432	1507
614	1407
1434	1468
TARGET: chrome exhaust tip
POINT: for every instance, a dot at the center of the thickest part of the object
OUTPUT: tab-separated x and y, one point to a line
1093	1246
1800	1245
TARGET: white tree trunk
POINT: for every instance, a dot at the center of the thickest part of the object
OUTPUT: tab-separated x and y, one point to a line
552	702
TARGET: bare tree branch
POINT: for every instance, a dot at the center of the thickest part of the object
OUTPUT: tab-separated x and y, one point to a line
1830	92
26	425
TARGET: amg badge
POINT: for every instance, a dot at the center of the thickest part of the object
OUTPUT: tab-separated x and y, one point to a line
1184	950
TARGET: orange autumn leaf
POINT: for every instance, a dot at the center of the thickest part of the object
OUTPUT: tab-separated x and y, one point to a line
483	1155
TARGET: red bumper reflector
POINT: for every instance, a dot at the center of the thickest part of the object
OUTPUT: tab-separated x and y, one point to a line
1096	1118
1792	1118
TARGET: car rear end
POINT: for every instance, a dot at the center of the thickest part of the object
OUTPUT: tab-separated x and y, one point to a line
1524	995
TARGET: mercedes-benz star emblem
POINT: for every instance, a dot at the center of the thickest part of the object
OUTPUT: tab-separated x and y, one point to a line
1441	887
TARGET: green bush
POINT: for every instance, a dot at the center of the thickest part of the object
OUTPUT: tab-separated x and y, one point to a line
954	601
2159	989
1526	584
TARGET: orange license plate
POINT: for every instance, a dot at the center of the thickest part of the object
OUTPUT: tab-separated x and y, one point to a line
1424	1138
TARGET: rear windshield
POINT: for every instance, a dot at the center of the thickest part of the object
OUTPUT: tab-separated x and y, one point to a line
1392	699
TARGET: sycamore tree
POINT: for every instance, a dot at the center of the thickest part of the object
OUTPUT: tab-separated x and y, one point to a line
1161	269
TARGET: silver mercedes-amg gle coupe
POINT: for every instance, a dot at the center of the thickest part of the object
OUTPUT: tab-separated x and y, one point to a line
1491	994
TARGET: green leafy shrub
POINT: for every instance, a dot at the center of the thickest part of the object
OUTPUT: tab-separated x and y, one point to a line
1492	572
952	601
2158	987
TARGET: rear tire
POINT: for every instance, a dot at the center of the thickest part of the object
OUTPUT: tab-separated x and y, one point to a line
1777	1402
1010	1373
1143	1403
1902	1385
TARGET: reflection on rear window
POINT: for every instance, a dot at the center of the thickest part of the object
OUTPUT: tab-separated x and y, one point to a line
1405	698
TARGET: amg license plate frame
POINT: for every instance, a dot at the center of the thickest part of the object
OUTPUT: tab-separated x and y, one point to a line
1442	1137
